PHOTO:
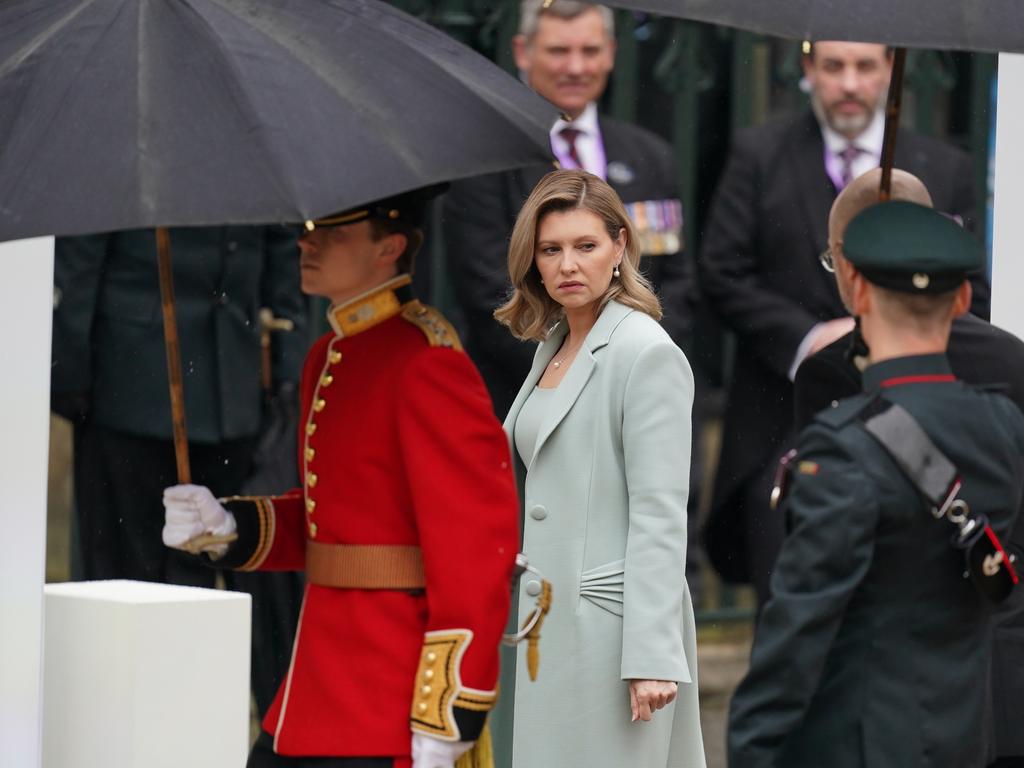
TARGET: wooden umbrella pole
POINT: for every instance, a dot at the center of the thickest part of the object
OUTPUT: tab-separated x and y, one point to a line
163	249
892	121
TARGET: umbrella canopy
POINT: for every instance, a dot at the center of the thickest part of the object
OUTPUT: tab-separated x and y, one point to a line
970	25
137	113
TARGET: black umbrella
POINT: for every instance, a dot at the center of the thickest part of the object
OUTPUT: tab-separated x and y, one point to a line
120	114
969	25
154	113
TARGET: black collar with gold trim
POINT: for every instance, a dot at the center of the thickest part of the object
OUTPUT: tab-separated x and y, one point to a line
371	308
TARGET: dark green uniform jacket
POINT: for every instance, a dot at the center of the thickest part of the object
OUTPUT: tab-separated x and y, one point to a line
873	649
108	329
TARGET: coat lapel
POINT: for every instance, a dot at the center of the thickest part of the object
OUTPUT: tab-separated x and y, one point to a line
568	392
814	188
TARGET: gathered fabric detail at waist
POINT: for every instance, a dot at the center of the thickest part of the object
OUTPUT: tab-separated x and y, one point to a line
603	586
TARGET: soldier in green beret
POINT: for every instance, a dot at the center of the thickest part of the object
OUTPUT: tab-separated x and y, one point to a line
873	648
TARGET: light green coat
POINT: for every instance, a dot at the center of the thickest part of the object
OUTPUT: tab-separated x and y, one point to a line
605	522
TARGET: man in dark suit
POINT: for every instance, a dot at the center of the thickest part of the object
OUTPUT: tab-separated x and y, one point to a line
760	271
110	378
873	646
980	354
565	53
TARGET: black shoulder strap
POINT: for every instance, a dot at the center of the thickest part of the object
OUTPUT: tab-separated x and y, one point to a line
899	433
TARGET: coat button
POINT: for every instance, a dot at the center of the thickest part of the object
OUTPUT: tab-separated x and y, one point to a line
319	405
538	512
312	530
533	588
335	356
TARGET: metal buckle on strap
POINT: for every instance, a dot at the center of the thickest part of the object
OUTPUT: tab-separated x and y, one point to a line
942	510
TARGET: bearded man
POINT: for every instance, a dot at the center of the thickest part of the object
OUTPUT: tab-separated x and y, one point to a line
760	270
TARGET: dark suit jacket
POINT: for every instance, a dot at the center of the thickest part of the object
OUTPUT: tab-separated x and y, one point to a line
980	354
759	269
108	328
873	649
479	216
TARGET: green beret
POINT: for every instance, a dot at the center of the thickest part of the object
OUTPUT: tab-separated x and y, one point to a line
407	207
910	248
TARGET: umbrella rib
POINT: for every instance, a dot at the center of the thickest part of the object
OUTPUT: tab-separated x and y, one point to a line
492	100
19	56
409	157
244	103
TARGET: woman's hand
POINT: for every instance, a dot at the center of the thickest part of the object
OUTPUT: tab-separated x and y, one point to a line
646	696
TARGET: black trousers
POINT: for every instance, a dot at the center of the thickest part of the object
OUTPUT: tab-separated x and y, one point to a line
263	756
119	483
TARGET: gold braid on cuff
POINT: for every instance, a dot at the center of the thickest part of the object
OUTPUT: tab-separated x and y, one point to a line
439	686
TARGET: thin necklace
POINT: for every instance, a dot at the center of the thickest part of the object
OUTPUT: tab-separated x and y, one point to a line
558	362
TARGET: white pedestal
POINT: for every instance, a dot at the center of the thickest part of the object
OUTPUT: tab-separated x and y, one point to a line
1008	198
141	675
26	312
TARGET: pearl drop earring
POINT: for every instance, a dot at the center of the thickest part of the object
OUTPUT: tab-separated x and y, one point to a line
615	272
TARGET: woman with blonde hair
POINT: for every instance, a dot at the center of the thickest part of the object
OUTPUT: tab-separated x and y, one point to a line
600	432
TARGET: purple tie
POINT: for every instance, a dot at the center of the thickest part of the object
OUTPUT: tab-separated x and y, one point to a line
848	155
570	134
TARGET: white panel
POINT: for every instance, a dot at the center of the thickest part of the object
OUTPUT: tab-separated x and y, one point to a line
26	314
1008	198
143	675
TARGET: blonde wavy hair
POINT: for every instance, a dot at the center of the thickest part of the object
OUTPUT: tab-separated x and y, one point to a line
530	312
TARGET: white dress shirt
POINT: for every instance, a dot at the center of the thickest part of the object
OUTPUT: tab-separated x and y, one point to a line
869	142
589	145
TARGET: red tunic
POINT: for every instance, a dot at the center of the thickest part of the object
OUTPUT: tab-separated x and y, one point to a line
398	446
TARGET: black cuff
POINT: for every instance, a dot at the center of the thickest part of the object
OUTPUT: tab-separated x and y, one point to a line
255	520
469	722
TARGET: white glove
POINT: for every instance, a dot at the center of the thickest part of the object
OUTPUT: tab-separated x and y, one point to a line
428	752
191	510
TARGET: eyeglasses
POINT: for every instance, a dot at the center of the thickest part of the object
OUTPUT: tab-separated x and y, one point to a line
827	262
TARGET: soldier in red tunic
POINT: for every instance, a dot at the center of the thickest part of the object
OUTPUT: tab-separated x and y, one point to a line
406	525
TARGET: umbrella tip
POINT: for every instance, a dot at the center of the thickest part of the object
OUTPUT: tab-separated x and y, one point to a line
806	47
310	226
548	3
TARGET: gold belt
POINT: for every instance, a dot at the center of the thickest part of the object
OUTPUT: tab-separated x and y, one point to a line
364	566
